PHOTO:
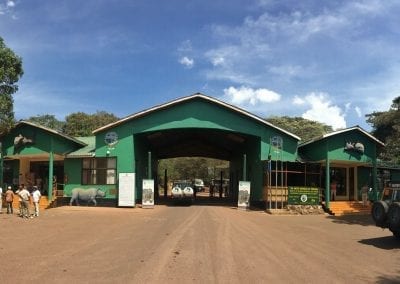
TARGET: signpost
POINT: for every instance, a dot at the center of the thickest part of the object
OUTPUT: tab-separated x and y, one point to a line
126	189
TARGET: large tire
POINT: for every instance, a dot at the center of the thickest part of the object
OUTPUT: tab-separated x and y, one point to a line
394	216
379	212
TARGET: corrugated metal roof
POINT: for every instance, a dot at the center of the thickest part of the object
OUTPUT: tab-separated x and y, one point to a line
194	96
87	151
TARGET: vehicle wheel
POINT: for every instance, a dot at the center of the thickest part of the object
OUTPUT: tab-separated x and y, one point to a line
379	212
394	216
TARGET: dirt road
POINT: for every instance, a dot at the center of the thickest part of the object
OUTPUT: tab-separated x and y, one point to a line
200	244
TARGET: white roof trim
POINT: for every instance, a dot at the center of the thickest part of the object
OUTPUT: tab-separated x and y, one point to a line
343	131
183	99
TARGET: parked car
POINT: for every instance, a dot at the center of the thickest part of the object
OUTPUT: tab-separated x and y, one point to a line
182	191
386	212
198	185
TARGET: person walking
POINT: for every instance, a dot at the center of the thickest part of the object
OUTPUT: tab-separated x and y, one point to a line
20	187
36	198
9	200
333	189
25	197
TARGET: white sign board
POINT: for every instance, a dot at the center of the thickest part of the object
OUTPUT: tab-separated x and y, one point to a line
244	194
148	193
126	189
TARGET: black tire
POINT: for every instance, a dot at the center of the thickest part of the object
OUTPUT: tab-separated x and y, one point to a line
379	212
394	217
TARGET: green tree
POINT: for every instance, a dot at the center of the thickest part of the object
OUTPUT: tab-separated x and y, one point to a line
304	128
47	120
190	168
10	72
82	124
386	127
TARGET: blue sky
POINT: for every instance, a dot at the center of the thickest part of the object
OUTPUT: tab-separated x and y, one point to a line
330	61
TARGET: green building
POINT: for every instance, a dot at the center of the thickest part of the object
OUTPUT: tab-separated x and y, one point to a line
266	156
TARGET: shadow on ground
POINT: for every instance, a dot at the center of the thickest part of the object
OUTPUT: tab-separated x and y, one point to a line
387	243
363	220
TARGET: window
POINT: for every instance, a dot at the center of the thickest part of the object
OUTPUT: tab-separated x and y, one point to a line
99	171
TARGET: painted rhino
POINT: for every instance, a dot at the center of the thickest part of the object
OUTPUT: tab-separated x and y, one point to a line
88	195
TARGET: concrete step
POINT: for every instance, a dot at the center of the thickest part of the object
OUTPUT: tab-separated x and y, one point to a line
339	208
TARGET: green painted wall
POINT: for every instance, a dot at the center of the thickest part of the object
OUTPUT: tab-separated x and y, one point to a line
334	145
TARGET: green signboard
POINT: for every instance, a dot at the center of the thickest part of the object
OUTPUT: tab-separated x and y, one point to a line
303	195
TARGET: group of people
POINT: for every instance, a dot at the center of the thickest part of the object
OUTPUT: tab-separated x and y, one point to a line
25	198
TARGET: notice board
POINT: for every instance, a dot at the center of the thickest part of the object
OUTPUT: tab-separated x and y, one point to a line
126	189
148	193
303	195
244	194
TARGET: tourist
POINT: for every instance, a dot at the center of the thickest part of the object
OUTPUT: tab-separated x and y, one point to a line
9	200
36	198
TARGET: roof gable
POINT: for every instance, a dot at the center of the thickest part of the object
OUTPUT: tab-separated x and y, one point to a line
331	134
182	100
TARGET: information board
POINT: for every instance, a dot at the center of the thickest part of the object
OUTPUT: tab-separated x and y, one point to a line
303	195
244	194
126	189
148	193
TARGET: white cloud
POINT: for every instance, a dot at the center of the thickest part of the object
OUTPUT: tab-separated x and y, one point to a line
298	101
286	70
185	46
7	8
322	109
358	111
217	61
187	62
245	95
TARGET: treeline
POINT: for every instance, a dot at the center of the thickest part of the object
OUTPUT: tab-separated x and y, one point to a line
76	124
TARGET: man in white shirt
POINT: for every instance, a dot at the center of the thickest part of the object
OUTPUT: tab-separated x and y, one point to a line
36	198
25	196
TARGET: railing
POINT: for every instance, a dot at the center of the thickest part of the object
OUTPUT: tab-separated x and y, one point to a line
276	196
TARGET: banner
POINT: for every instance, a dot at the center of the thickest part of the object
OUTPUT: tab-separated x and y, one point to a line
126	189
148	193
244	194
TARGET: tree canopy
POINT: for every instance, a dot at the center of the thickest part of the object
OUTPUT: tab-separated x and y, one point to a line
48	120
10	72
386	127
82	124
304	128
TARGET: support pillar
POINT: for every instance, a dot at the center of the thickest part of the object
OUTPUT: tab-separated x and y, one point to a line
51	171
149	165
1	165
244	167
327	184
165	183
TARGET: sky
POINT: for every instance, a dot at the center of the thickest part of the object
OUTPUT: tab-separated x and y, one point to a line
328	61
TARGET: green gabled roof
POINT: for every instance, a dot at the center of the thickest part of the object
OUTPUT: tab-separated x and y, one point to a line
49	130
87	151
354	128
190	98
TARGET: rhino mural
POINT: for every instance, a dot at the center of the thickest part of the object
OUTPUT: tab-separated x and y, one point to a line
87	195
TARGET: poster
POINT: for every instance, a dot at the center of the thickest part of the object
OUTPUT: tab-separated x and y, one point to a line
126	187
148	193
244	194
